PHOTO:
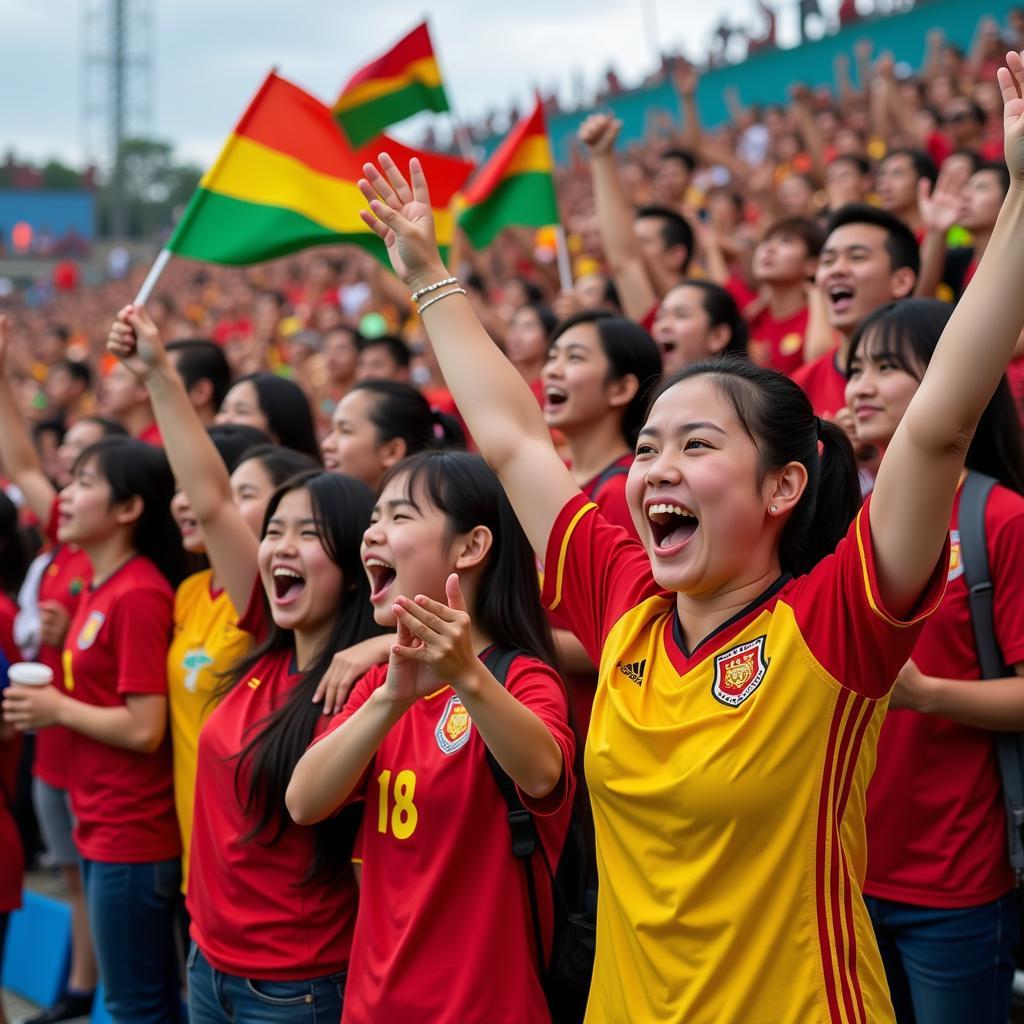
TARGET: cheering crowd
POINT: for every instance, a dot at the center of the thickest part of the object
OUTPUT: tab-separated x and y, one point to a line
372	597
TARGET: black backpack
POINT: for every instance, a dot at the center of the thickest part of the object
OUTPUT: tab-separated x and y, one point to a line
1009	745
566	979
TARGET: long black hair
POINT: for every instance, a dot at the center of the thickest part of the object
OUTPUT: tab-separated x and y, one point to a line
341	508
14	556
400	410
289	417
721	309
469	493
134	469
905	334
778	418
629	349
278	462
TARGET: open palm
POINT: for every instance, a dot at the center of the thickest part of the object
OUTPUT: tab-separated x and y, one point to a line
400	213
1011	83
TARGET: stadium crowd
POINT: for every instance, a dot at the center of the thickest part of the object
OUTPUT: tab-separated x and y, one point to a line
277	539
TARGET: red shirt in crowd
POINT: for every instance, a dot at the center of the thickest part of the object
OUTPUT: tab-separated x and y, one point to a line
444	932
251	914
151	435
65	580
116	647
824	384
12	859
779	343
935	818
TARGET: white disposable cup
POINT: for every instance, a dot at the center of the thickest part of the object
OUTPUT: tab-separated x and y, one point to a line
29	673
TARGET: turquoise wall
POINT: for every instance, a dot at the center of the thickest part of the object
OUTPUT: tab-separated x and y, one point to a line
766	77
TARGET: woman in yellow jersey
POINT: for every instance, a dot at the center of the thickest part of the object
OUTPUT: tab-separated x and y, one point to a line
746	649
207	640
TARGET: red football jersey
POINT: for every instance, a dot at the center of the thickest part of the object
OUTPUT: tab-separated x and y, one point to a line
12	860
65	580
444	932
251	914
936	824
610	496
778	344
824	384
116	646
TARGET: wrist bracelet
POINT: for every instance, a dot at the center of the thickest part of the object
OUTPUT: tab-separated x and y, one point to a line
438	298
433	287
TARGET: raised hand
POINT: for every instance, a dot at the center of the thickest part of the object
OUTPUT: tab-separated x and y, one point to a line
685	78
135	340
401	215
598	133
1011	84
940	206
408	678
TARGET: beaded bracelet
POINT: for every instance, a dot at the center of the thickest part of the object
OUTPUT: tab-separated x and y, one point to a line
416	296
438	298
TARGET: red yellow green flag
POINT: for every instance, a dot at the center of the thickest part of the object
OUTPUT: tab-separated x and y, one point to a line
515	187
402	82
286	180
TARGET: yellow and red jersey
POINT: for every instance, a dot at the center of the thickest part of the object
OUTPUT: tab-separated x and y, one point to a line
728	784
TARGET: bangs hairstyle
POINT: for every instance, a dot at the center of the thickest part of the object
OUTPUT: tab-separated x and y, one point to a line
279	463
905	334
778	418
134	469
469	494
341	509
630	350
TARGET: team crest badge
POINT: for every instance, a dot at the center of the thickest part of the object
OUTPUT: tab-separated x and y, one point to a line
452	732
738	672
956	560
88	633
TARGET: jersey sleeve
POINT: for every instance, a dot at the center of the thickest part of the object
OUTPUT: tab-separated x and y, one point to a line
1004	528
844	621
594	572
254	619
538	687
142	634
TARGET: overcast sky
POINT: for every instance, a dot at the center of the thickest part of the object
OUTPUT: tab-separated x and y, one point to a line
210	55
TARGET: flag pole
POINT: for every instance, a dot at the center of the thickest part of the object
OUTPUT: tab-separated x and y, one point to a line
564	263
152	277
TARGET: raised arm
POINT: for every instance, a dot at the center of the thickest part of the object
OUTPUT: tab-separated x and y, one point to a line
917	480
685	79
496	403
615	216
18	457
196	464
939	209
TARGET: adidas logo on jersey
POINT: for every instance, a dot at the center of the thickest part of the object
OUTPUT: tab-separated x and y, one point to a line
634	671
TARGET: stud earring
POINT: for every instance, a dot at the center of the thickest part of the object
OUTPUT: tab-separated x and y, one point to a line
773	508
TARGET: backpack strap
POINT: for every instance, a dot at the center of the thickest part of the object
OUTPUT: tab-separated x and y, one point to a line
974	553
606	474
525	841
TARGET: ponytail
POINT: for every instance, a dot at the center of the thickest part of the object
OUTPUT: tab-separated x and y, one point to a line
400	411
448	432
778	417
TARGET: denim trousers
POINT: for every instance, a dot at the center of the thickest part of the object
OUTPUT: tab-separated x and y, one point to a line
218	998
948	966
132	910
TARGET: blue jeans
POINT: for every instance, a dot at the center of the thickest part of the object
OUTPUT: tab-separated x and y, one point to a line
218	998
948	966
132	911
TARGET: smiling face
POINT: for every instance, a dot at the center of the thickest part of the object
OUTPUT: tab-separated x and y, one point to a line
577	391
407	549
85	514
191	532
242	405
353	446
878	391
302	583
251	491
695	491
856	274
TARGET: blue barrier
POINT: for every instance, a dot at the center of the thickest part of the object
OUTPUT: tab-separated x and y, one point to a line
37	955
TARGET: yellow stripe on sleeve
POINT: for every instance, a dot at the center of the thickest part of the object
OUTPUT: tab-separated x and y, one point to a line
564	550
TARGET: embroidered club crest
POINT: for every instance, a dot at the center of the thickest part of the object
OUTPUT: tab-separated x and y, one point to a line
738	672
88	633
956	561
452	732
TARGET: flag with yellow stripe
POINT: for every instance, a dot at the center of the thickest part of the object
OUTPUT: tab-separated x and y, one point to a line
286	179
402	82
515	187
